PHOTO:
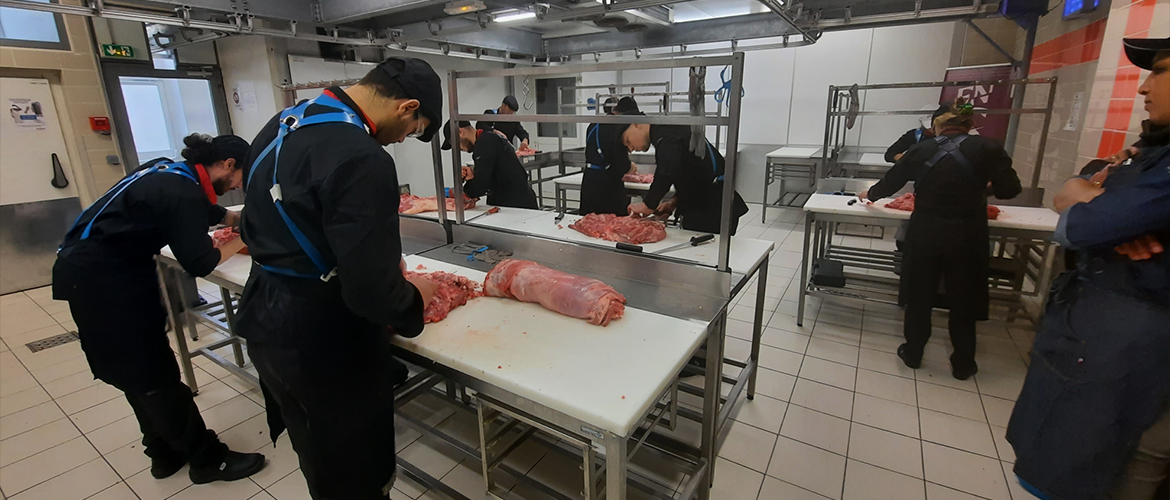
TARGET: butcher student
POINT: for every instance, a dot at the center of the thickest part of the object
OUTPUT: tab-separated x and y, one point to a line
510	130
498	173
915	136
602	188
947	236
105	270
697	180
321	223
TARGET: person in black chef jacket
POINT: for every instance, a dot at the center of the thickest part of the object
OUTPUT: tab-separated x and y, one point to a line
602	188
511	130
105	269
912	137
498	173
947	237
698	182
321	222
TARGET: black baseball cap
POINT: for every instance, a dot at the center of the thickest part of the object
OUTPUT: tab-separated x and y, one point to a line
626	106
420	82
510	102
1141	51
447	132
620	128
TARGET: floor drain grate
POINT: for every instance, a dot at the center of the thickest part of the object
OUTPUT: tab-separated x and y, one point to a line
54	341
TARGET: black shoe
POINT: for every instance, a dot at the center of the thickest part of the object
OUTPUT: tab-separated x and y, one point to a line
912	363
234	466
162	467
964	372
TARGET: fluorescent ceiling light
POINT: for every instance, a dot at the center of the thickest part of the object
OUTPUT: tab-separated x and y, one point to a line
464	7
518	16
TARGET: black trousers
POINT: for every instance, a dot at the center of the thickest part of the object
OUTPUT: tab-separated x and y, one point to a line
122	331
954	252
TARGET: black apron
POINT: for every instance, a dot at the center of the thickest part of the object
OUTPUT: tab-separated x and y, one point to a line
603	192
704	213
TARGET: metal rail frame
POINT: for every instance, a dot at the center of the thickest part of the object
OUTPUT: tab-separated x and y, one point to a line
837	112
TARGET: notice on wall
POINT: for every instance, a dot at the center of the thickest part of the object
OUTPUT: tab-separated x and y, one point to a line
1074	116
987	94
27	113
244	96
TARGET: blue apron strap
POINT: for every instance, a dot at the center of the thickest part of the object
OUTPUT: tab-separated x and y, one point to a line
176	168
714	165
917	135
595	131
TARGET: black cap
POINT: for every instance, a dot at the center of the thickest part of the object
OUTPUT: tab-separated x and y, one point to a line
620	128
942	110
626	106
607	107
510	102
447	132
231	146
420	82
1141	51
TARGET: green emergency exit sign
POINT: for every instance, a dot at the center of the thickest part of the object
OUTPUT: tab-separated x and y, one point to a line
111	50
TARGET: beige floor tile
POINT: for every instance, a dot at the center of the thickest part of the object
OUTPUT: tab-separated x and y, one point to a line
37	440
823	398
102	415
957	432
818	429
69	385
940	373
881	342
887	415
264	495
808	467
119	491
49	357
250	434
17	324
787	322
735	481
999	385
748	446
77	484
1016	490
739	330
837	333
60	370
26	420
891	387
281	461
937	492
884	325
840	315
213	393
763	412
883	362
467	480
116	435
951	401
87	398
24	474
788	341
1006	453
775	384
886	450
149	488
964	471
128	460
219	490
231	412
432	456
866	482
559	472
780	360
10	366
17	383
22	400
829	373
775	489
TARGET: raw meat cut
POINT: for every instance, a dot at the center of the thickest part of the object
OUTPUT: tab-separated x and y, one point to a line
451	291
410	204
557	291
630	229
638	178
906	202
223	236
527	152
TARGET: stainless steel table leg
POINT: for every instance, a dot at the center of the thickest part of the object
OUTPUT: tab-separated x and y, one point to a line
758	326
767	180
237	350
616	463
184	300
805	261
167	282
711	396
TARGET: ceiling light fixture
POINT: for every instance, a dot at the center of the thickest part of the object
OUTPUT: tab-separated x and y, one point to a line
464	7
512	17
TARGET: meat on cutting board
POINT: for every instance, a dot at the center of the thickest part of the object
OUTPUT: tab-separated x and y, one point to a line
906	202
560	292
410	204
629	229
638	178
451	291
223	236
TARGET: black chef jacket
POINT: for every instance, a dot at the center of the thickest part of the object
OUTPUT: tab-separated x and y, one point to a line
602	189
700	195
907	141
157	210
499	174
510	129
947	188
341	189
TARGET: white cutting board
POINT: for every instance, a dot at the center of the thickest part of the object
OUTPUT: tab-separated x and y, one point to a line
874	159
795	152
605	376
576	179
1028	218
480	208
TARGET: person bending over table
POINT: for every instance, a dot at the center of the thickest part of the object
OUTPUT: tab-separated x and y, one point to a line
947	235
498	173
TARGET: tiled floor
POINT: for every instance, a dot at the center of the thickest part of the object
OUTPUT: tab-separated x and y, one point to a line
836	415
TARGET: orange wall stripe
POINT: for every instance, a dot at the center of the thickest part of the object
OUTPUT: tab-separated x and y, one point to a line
1074	47
1125	82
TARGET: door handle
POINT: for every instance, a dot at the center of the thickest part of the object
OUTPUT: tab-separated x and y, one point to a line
59	181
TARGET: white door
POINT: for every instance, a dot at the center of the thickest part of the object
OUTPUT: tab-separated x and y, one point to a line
38	194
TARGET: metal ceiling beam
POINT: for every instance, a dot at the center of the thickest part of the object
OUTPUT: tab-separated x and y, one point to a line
340	11
287	10
902	18
745	27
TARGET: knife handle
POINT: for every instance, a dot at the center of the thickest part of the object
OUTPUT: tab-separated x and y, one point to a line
629	248
695	240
